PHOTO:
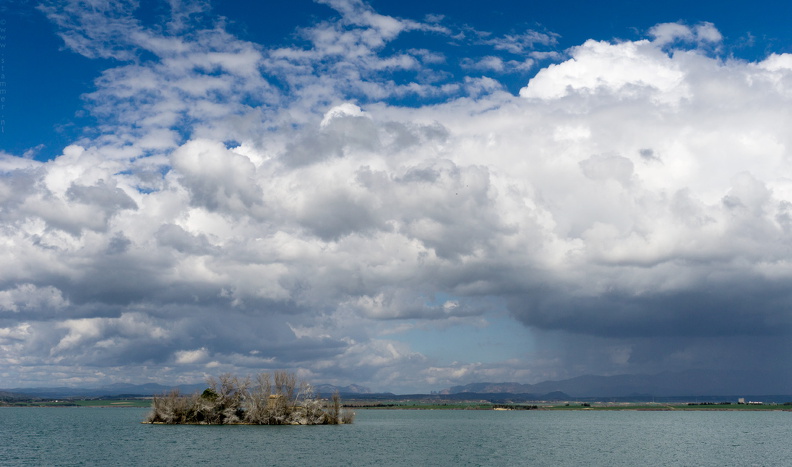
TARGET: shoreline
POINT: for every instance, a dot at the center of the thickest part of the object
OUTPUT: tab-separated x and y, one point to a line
437	405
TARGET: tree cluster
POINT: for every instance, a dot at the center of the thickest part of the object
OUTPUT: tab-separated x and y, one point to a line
277	399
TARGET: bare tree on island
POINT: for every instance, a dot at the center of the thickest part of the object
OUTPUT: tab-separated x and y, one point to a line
277	399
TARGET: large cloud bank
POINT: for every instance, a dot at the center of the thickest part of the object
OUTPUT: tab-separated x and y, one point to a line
241	208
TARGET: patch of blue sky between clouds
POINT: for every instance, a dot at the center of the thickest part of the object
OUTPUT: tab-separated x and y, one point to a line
47	81
492	338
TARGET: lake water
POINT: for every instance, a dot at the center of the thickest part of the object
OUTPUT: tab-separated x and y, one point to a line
115	436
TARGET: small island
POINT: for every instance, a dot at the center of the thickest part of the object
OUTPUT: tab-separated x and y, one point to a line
277	399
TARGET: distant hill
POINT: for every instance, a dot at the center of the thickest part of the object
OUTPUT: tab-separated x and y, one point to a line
118	389
669	384
12	396
144	390
691	383
327	389
491	388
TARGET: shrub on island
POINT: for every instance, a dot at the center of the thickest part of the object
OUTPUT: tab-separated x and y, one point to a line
277	399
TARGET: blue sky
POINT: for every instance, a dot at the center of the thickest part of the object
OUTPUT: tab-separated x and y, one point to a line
47	79
403	195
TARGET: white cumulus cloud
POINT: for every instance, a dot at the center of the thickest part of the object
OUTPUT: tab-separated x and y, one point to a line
246	208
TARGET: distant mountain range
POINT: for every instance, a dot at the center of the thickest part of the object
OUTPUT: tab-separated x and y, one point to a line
684	383
691	383
327	389
149	389
118	389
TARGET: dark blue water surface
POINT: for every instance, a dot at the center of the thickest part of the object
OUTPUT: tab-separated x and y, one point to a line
115	436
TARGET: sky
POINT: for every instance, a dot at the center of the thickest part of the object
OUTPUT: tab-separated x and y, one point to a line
402	195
